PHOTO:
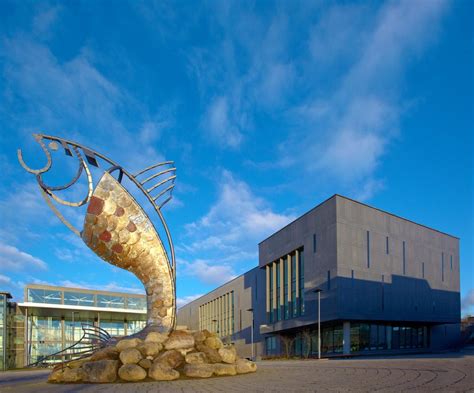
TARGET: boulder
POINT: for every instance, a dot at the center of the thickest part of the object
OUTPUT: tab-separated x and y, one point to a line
56	375
111	353
244	366
199	370
128	343
102	371
228	354
156	337
224	369
199	336
213	342
171	358
196	358
131	372
162	372
150	348
78	363
211	354
130	356
145	363
179	340
73	375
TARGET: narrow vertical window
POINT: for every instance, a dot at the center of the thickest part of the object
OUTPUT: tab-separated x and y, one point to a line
423	269
329	280
368	249
404	258
387	249
271	293
442	266
294	309
383	292
301	286
278	308
451	262
315	245
286	313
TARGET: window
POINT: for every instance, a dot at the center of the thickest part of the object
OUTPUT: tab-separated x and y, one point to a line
403	256
315	245
368	249
271	293
278	314
79	299
301	281
294	309
329	280
423	270
451	262
442	266
270	345
387	249
286	310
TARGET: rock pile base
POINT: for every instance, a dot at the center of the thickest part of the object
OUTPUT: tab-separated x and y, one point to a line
159	357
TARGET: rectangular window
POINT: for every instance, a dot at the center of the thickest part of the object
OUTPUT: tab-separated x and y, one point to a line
301	281
271	293
315	245
277	267
286	310
442	266
451	262
423	270
368	249
383	292
293	286
329	280
387	249
404	260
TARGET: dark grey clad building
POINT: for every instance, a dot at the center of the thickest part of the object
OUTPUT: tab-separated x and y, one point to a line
387	284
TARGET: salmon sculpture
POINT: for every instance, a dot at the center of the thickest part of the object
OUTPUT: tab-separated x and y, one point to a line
116	227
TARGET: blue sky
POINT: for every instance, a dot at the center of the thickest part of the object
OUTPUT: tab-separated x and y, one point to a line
267	108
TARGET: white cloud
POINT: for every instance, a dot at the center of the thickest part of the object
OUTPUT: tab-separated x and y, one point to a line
207	272
13	259
237	221
182	301
222	127
5	280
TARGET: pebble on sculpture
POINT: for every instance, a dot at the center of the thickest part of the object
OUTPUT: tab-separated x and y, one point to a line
119	231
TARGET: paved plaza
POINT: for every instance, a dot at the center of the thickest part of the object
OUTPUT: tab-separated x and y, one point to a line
423	373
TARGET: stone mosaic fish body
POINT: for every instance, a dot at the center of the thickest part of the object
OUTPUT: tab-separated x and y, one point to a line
116	227
118	230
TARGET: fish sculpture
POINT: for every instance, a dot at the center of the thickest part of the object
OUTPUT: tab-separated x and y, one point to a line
116	227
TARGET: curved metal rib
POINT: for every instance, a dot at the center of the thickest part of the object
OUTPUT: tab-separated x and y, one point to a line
59	188
93	338
38	139
89	186
152	167
158	174
161	183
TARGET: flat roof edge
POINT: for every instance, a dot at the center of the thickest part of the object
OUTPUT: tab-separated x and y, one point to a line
363	204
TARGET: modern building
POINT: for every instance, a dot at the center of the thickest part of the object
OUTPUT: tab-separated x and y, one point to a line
386	284
50	319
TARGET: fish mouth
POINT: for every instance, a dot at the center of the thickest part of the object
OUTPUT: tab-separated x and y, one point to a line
118	230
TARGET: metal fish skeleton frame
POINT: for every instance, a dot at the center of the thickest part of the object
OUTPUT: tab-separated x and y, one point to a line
116	227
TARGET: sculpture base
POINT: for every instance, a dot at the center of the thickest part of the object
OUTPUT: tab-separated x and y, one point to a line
156	357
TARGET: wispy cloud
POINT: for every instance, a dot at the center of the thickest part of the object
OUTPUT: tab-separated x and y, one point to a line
13	259
182	301
228	233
